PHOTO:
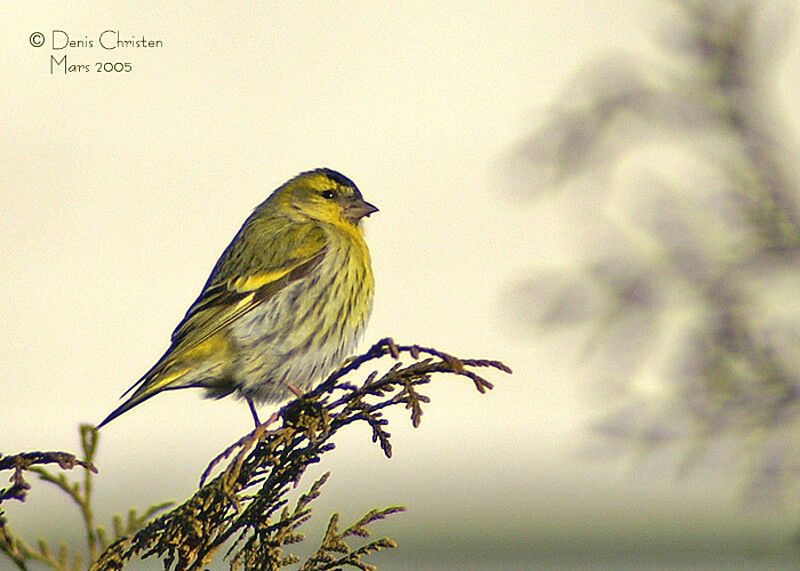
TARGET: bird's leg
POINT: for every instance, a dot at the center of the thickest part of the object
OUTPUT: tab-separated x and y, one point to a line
297	392
253	410
273	417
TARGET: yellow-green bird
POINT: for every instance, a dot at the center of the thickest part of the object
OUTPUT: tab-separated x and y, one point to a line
285	304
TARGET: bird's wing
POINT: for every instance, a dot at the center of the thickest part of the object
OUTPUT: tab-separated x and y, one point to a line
246	277
266	255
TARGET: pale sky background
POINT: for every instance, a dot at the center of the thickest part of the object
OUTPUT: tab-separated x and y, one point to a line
119	192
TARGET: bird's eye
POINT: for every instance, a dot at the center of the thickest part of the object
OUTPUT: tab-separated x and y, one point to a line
327	194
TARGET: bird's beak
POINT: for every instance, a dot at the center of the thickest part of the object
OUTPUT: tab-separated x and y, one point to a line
358	209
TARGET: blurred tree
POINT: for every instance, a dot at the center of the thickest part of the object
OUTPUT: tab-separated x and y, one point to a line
688	278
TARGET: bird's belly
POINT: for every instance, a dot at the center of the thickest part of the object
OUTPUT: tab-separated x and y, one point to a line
287	341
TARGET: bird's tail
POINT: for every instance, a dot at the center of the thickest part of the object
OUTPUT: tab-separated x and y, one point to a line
153	382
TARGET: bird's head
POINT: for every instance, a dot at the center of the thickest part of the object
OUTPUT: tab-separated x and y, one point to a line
324	195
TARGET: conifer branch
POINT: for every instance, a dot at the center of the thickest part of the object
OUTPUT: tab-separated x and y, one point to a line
244	505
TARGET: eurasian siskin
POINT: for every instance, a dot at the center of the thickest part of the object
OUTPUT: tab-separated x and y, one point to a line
285	304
